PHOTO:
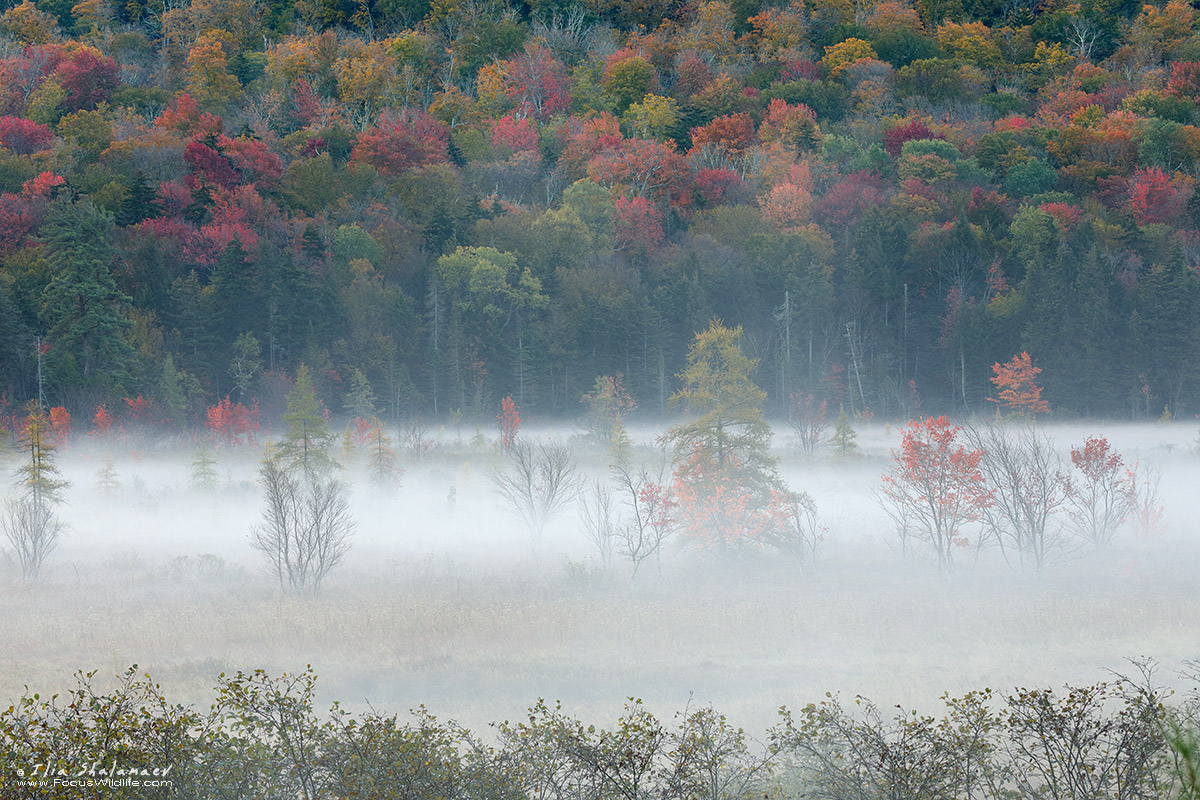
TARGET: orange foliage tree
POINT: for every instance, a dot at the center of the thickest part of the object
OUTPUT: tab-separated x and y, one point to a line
934	487
510	423
1018	392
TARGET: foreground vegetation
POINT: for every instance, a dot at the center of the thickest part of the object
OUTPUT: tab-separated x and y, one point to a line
263	738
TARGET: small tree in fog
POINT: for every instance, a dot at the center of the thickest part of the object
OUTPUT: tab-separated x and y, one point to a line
1027	487
608	405
809	420
599	519
537	481
934	487
107	481
30	524
1101	493
796	528
653	517
306	527
305	446
381	458
844	436
204	473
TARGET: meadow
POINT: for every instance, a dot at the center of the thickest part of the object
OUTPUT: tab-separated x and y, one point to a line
445	602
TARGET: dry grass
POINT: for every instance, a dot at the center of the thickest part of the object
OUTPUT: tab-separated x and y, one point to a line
479	644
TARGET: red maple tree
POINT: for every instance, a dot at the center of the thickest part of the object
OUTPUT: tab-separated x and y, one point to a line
1018	392
934	487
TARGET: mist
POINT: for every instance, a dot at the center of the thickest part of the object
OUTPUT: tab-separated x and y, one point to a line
445	600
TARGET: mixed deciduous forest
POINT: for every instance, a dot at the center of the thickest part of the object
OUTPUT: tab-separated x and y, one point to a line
456	201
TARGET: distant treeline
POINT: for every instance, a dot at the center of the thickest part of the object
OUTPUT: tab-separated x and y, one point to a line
262	739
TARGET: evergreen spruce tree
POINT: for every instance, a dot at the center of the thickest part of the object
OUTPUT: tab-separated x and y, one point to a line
82	306
844	435
305	446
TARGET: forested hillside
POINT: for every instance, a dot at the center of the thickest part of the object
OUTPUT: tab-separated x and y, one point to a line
439	204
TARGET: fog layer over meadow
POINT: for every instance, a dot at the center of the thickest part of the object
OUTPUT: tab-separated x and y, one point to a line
445	600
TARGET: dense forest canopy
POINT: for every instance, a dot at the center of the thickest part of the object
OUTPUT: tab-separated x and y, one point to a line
437	204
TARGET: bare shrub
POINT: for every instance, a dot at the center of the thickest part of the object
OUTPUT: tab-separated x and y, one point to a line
538	482
306	528
599	519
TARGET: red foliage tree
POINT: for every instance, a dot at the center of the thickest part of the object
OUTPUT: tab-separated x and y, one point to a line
537	81
102	422
893	140
402	140
1018	392
208	164
934	487
720	508
644	168
257	162
1185	79
88	77
1155	196
23	136
638	226
716	186
514	134
1104	493
184	115
839	207
510	423
733	133
233	423
60	426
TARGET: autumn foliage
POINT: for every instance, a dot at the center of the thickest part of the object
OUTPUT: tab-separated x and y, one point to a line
510	423
233	424
1018	391
934	487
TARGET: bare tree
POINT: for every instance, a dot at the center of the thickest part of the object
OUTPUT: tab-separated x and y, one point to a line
538	482
32	530
796	528
306	528
599	519
809	421
652	519
1028	490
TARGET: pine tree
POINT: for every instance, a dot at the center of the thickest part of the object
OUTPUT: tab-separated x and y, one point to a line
844	435
82	306
107	482
139	201
204	475
305	446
